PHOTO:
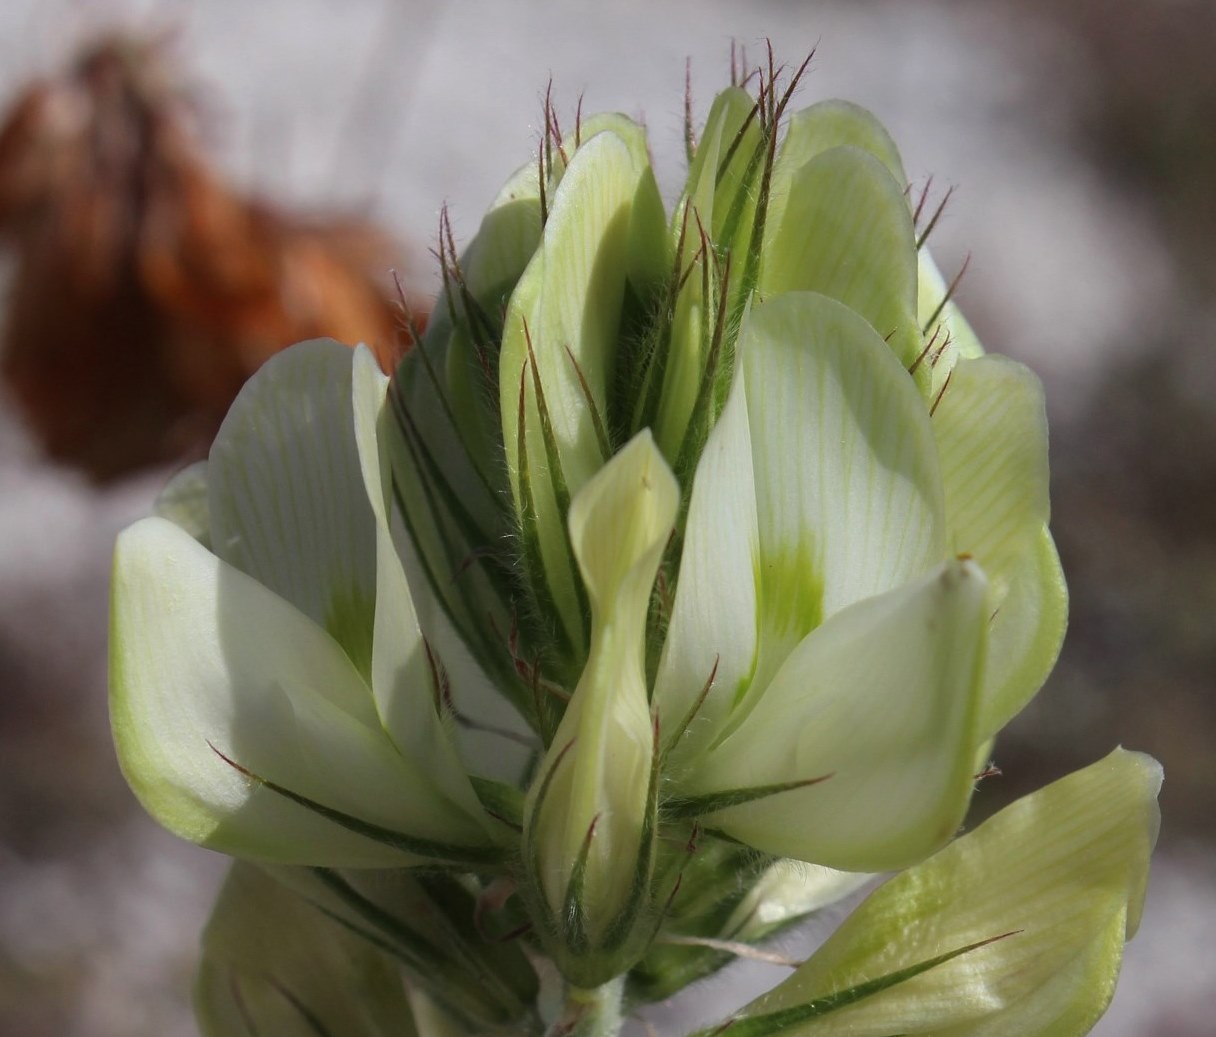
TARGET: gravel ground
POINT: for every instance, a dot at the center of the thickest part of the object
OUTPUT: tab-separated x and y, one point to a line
393	109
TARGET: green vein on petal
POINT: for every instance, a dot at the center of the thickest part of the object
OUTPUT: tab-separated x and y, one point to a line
1064	869
884	697
1025	635
205	656
846	232
286	497
991	431
845	467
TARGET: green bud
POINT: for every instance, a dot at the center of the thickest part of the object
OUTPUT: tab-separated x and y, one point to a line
591	819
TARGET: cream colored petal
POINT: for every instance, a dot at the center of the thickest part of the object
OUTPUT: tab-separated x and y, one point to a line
1025	635
1055	882
206	661
881	702
713	636
848	491
846	232
287	501
183	502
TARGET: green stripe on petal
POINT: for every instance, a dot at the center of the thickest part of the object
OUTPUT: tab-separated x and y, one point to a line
207	663
287	501
883	700
1062	871
846	232
848	493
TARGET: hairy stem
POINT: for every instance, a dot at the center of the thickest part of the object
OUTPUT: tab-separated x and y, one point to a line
591	1013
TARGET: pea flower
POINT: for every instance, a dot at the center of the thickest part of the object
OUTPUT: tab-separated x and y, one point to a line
1066	866
679	579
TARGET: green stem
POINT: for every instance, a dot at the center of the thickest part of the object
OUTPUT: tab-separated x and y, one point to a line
591	1013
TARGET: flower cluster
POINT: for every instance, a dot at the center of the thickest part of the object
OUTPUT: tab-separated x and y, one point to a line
678	580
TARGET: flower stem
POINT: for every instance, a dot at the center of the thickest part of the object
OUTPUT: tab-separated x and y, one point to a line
591	1013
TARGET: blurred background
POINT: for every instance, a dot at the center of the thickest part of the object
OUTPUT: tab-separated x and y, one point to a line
315	141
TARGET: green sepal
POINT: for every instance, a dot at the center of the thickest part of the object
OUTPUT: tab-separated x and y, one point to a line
501	801
427	848
574	910
1063	870
426	922
709	802
788	1019
705	879
948	336
463	573
562	322
274	966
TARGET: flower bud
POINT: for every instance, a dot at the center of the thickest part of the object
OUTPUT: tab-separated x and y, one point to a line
589	827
